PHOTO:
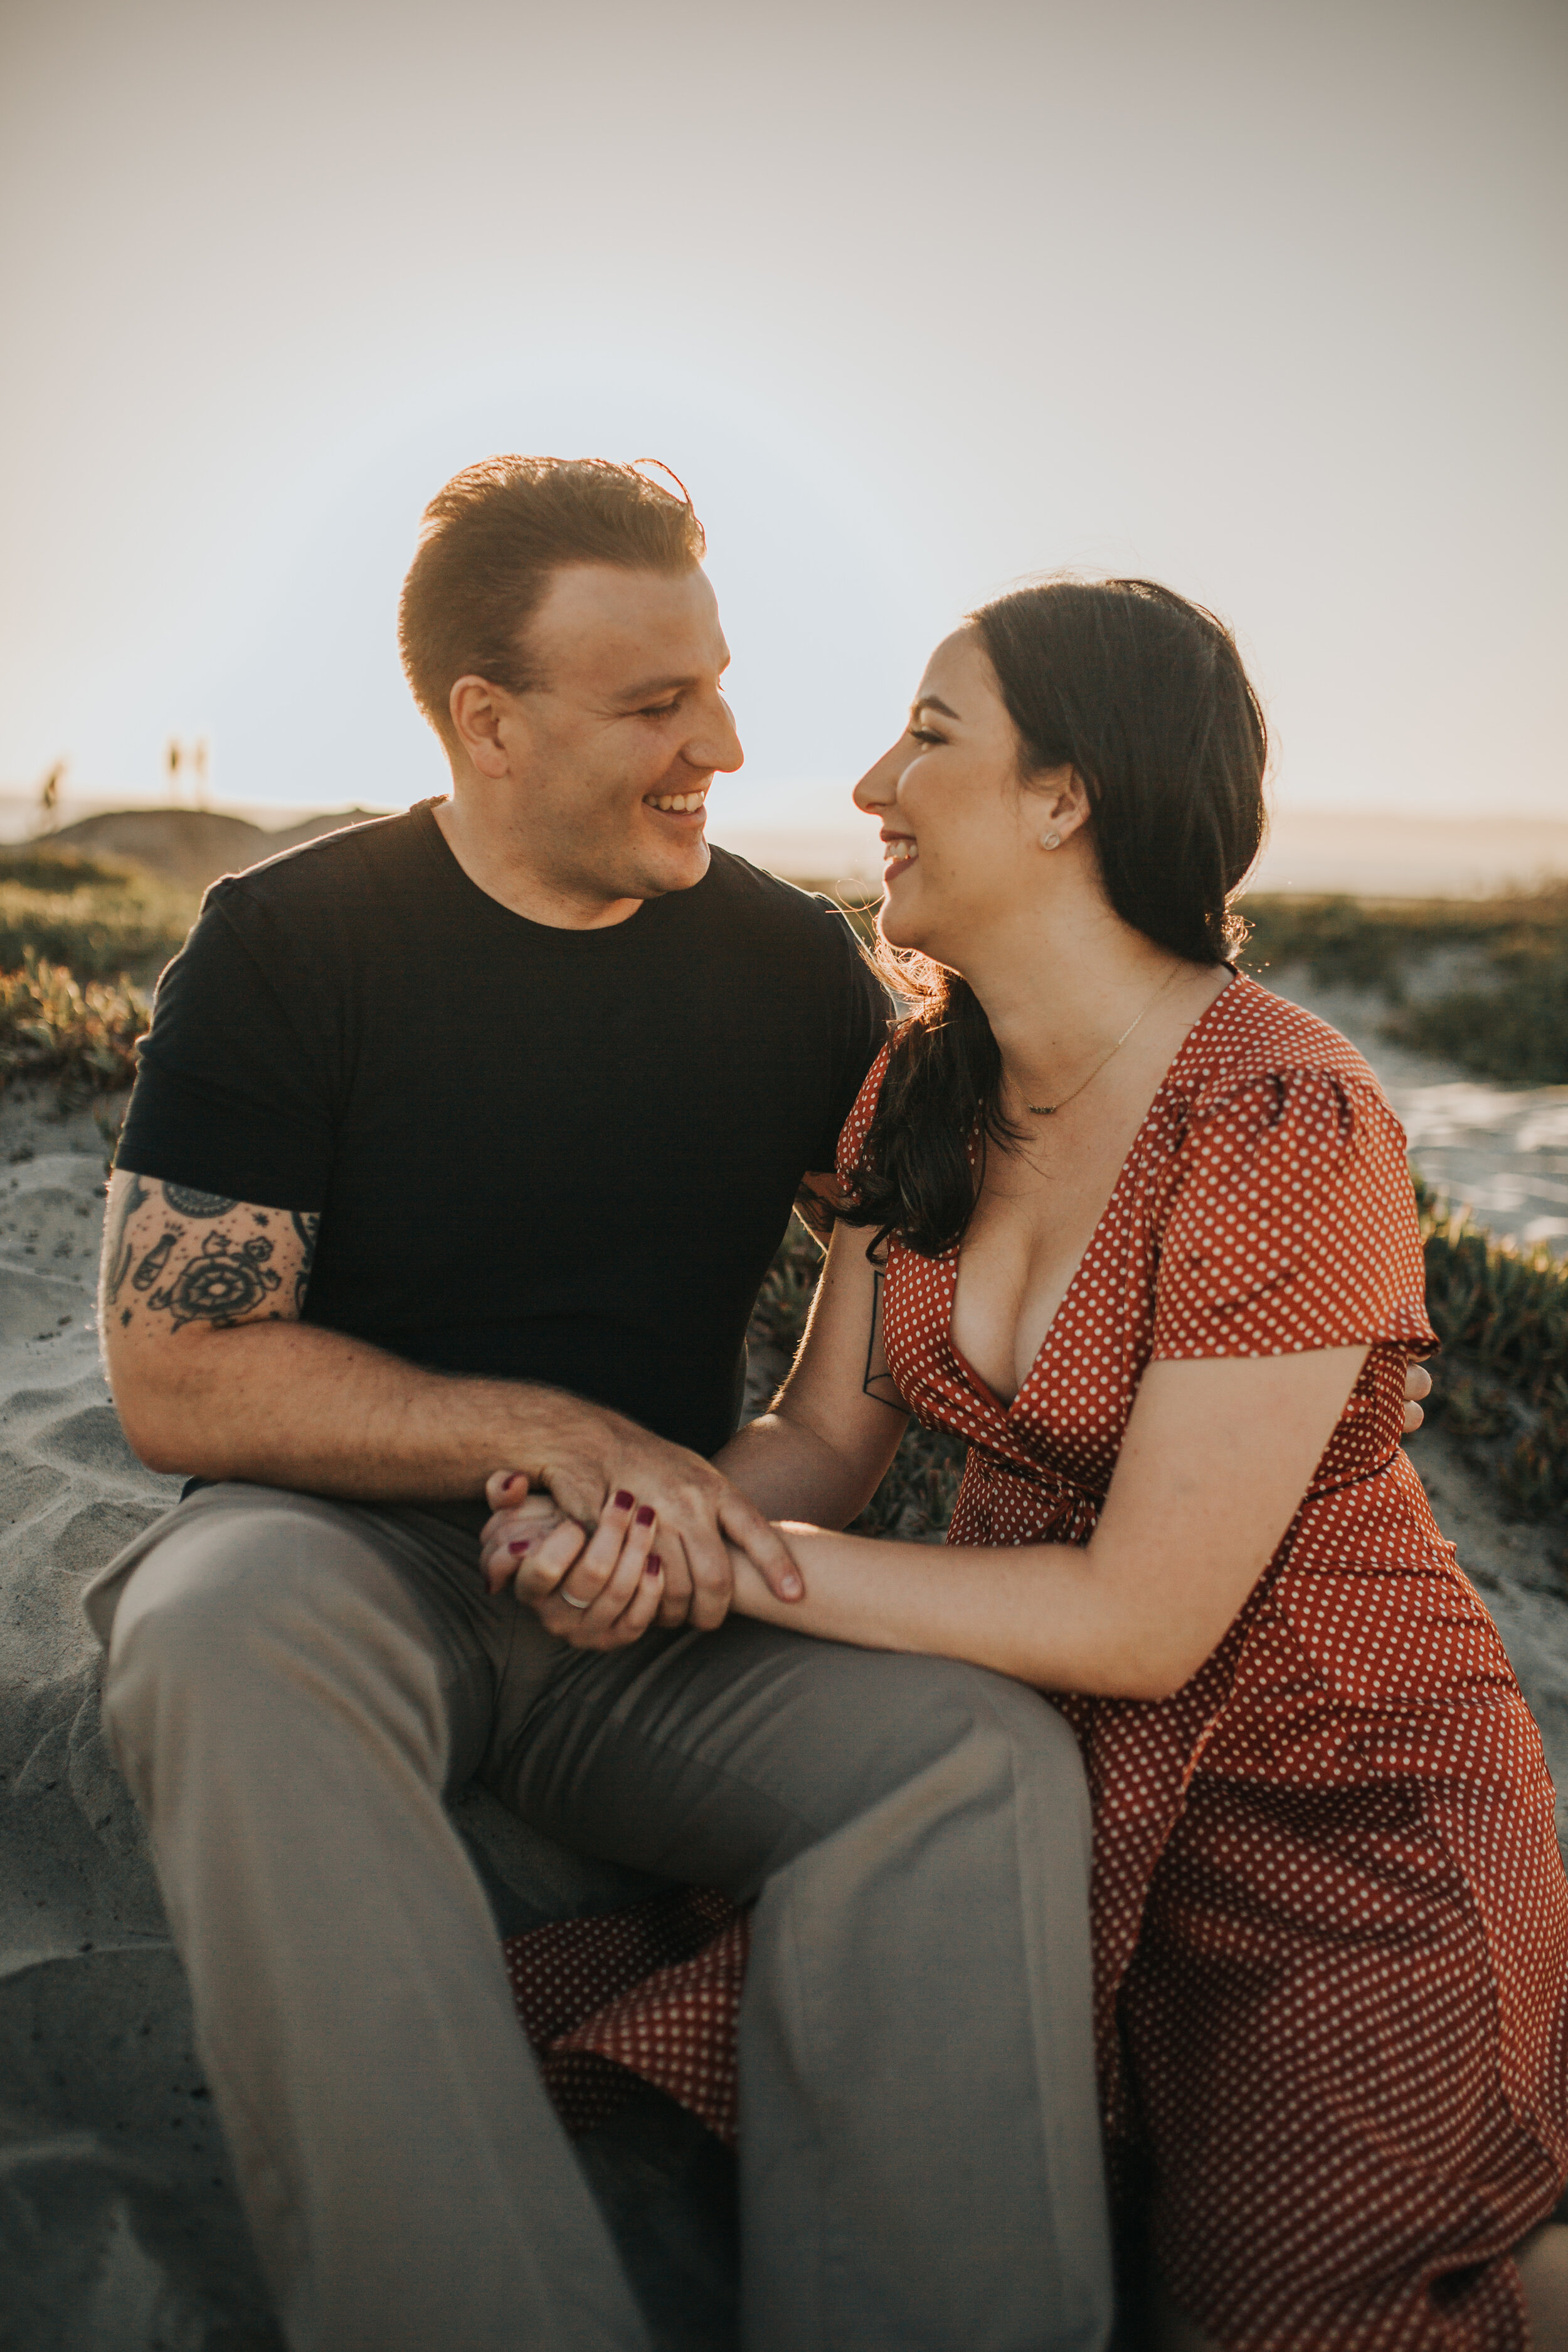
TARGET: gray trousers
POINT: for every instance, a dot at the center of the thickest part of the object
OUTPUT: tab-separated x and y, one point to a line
292	1687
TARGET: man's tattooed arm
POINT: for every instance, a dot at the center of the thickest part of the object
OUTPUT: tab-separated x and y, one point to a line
174	1257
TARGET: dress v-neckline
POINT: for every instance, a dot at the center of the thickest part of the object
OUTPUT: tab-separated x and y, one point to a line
983	1388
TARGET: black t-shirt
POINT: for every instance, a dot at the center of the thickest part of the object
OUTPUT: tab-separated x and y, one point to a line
551	1155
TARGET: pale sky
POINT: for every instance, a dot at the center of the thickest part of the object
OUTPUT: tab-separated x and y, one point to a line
1261	300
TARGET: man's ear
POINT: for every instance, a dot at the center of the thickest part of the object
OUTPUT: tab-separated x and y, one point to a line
477	710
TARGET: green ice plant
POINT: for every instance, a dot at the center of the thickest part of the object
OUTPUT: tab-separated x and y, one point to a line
83	1034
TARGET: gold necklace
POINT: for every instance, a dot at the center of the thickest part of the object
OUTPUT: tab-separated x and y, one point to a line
1050	1110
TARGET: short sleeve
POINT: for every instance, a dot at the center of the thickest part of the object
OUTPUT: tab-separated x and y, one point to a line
861	1010
231	1096
1291	1224
852	1141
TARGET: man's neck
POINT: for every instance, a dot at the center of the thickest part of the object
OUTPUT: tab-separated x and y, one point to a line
497	863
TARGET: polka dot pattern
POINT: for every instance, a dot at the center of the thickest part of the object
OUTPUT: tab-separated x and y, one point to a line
653	1991
1329	1916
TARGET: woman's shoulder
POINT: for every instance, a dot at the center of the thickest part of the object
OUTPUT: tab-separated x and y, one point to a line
1251	1038
852	1141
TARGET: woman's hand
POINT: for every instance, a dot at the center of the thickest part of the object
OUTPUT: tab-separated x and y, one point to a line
597	1591
700	1514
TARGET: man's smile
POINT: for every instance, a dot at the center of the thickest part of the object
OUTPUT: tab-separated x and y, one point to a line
678	803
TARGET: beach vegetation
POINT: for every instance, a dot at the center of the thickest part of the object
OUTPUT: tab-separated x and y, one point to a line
102	918
81	1034
1499	1005
1501	1313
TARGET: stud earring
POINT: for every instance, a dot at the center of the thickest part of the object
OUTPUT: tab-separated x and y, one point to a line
1051	841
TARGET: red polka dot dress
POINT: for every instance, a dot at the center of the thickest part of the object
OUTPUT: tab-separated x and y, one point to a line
1329	1915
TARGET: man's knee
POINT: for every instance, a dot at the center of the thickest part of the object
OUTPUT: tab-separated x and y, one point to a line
230	1600
995	1730
881	1721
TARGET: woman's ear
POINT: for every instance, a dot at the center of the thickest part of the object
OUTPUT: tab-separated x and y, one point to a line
1064	805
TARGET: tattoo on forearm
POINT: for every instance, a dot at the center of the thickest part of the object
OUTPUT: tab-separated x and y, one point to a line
224	1282
119	1254
187	1203
152	1264
877	1382
306	1226
219	1277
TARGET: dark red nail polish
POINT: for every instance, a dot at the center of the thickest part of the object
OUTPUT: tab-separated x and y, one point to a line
520	1545
652	1564
624	1499
644	1517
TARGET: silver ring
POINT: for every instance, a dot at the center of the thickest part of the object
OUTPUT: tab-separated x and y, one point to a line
561	1594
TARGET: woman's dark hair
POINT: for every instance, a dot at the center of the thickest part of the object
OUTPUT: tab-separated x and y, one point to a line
1145	697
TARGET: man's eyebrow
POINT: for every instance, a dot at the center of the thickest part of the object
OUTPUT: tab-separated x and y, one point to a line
930	702
649	689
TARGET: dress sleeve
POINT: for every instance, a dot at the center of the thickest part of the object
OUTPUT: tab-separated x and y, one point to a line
1291	1224
861	1012
851	1143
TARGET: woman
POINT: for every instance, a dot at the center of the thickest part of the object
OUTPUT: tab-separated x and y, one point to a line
1143	1234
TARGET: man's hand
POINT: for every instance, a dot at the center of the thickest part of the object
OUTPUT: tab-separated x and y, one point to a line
600	1469
1417	1384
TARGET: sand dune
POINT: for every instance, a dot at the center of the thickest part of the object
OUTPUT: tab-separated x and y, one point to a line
192	845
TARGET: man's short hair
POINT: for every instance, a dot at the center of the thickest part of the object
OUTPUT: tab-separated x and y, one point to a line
490	541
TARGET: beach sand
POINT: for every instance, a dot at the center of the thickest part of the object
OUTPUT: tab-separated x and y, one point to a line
118	2228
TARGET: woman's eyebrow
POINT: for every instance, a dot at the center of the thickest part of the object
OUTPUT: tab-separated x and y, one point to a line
929	702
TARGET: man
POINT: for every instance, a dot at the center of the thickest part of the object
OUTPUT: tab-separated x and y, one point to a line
460	1144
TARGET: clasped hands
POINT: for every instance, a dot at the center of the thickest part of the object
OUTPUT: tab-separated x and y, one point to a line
601	1555
600	1552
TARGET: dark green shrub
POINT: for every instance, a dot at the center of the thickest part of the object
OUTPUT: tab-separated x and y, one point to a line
34	866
